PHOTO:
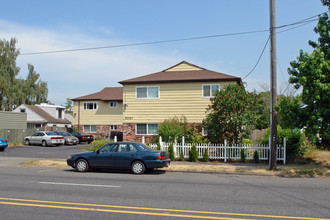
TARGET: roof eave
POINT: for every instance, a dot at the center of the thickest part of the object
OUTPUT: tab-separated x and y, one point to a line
239	80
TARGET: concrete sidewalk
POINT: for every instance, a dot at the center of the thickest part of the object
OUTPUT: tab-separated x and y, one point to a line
261	169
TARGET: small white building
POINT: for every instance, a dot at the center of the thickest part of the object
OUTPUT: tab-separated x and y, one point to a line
44	115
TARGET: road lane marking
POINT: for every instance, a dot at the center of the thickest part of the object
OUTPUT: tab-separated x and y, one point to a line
119	211
166	212
78	184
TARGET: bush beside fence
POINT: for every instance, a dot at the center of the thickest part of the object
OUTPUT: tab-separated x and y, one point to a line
225	151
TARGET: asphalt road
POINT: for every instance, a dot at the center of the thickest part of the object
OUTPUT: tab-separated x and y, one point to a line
49	152
50	193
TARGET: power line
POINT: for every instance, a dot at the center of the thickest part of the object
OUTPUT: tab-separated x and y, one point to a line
263	50
146	43
301	22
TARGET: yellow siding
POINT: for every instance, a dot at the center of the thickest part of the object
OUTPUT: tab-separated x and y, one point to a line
176	99
104	115
183	67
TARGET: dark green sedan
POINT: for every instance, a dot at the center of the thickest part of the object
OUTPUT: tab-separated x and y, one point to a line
120	155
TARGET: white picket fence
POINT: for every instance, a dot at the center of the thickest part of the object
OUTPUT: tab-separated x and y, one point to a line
225	151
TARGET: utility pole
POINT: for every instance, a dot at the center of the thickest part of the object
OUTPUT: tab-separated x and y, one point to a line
273	87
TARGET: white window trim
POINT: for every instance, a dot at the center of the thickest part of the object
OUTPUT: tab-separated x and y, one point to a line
146	129
210	90
97	106
90	130
113	106
112	126
136	87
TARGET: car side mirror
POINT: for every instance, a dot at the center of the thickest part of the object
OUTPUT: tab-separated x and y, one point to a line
98	151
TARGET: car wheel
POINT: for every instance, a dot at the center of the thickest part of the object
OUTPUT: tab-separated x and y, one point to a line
81	165
138	167
2	149
44	143
27	142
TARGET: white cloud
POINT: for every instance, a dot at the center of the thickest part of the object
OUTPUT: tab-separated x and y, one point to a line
74	74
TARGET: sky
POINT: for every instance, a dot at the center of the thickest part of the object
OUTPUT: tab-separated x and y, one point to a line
44	26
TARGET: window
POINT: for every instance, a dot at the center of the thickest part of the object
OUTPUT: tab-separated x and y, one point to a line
90	105
109	148
147	129
60	113
90	128
147	92
113	127
209	90
22	109
113	104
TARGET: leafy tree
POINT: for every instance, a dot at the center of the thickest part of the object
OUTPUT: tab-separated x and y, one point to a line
8	73
230	111
289	112
68	106
262	119
311	72
15	91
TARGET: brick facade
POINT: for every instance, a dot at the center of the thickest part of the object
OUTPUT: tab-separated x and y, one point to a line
100	129
129	134
128	130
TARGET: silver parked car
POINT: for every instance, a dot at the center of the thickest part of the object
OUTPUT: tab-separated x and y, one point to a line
44	138
68	138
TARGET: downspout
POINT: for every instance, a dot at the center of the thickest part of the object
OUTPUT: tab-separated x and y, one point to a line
78	116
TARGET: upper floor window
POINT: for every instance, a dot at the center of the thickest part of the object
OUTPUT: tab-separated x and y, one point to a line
147	92
113	104
90	105
209	90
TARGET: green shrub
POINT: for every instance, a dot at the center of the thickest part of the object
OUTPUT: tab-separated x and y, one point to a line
247	141
206	156
193	154
256	156
158	146
243	156
96	144
171	151
296	142
181	155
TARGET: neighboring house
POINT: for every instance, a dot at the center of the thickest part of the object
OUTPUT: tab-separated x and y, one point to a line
99	112
146	101
44	115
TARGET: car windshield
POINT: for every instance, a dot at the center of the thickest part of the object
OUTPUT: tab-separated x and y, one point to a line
51	133
63	133
143	147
